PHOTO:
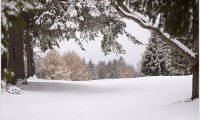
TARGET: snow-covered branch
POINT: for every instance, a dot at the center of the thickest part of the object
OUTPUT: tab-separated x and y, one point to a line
145	23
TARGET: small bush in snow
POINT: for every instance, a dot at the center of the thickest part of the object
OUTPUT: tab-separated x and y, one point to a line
14	90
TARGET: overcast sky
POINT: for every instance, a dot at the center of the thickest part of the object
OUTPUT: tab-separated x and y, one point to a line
93	49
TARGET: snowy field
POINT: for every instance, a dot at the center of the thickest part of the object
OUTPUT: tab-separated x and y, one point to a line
147	98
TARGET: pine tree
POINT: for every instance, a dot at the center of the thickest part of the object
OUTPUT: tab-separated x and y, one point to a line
102	70
154	61
160	59
115	70
65	19
92	70
109	69
179	65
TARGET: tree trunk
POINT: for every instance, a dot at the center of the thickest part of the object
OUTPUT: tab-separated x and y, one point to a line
28	17
29	54
4	60
195	82
16	58
195	69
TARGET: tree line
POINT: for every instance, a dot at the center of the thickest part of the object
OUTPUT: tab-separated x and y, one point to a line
70	66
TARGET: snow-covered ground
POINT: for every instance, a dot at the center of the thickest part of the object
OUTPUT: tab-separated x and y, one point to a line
147	98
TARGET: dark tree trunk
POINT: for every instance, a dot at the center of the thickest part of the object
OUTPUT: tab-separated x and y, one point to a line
29	55
195	82
28	17
4	60
195	70
16	58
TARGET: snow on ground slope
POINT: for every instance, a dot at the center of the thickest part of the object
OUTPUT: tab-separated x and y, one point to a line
147	98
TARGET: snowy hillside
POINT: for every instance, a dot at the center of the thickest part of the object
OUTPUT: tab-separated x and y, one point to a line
147	98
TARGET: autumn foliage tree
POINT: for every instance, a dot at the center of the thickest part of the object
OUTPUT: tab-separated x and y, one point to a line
54	67
125	70
76	65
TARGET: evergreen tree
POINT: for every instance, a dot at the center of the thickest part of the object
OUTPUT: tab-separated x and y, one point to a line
92	70
13	25
122	66
79	21
115	70
160	59
109	69
102	70
179	65
154	61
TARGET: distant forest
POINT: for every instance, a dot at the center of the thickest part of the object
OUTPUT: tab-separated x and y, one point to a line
70	66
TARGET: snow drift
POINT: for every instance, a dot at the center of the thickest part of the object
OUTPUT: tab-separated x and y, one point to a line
147	98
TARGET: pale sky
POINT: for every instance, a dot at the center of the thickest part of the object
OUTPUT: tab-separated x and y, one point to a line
93	48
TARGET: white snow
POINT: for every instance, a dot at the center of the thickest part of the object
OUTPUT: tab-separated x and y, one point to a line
70	24
81	18
72	11
186	49
27	6
79	5
146	98
11	9
94	13
3	49
41	17
38	6
57	25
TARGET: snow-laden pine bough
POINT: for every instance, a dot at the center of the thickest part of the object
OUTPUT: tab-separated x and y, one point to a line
144	21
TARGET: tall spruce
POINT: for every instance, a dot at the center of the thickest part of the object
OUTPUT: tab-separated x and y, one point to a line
114	73
92	70
155	58
102	70
160	59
